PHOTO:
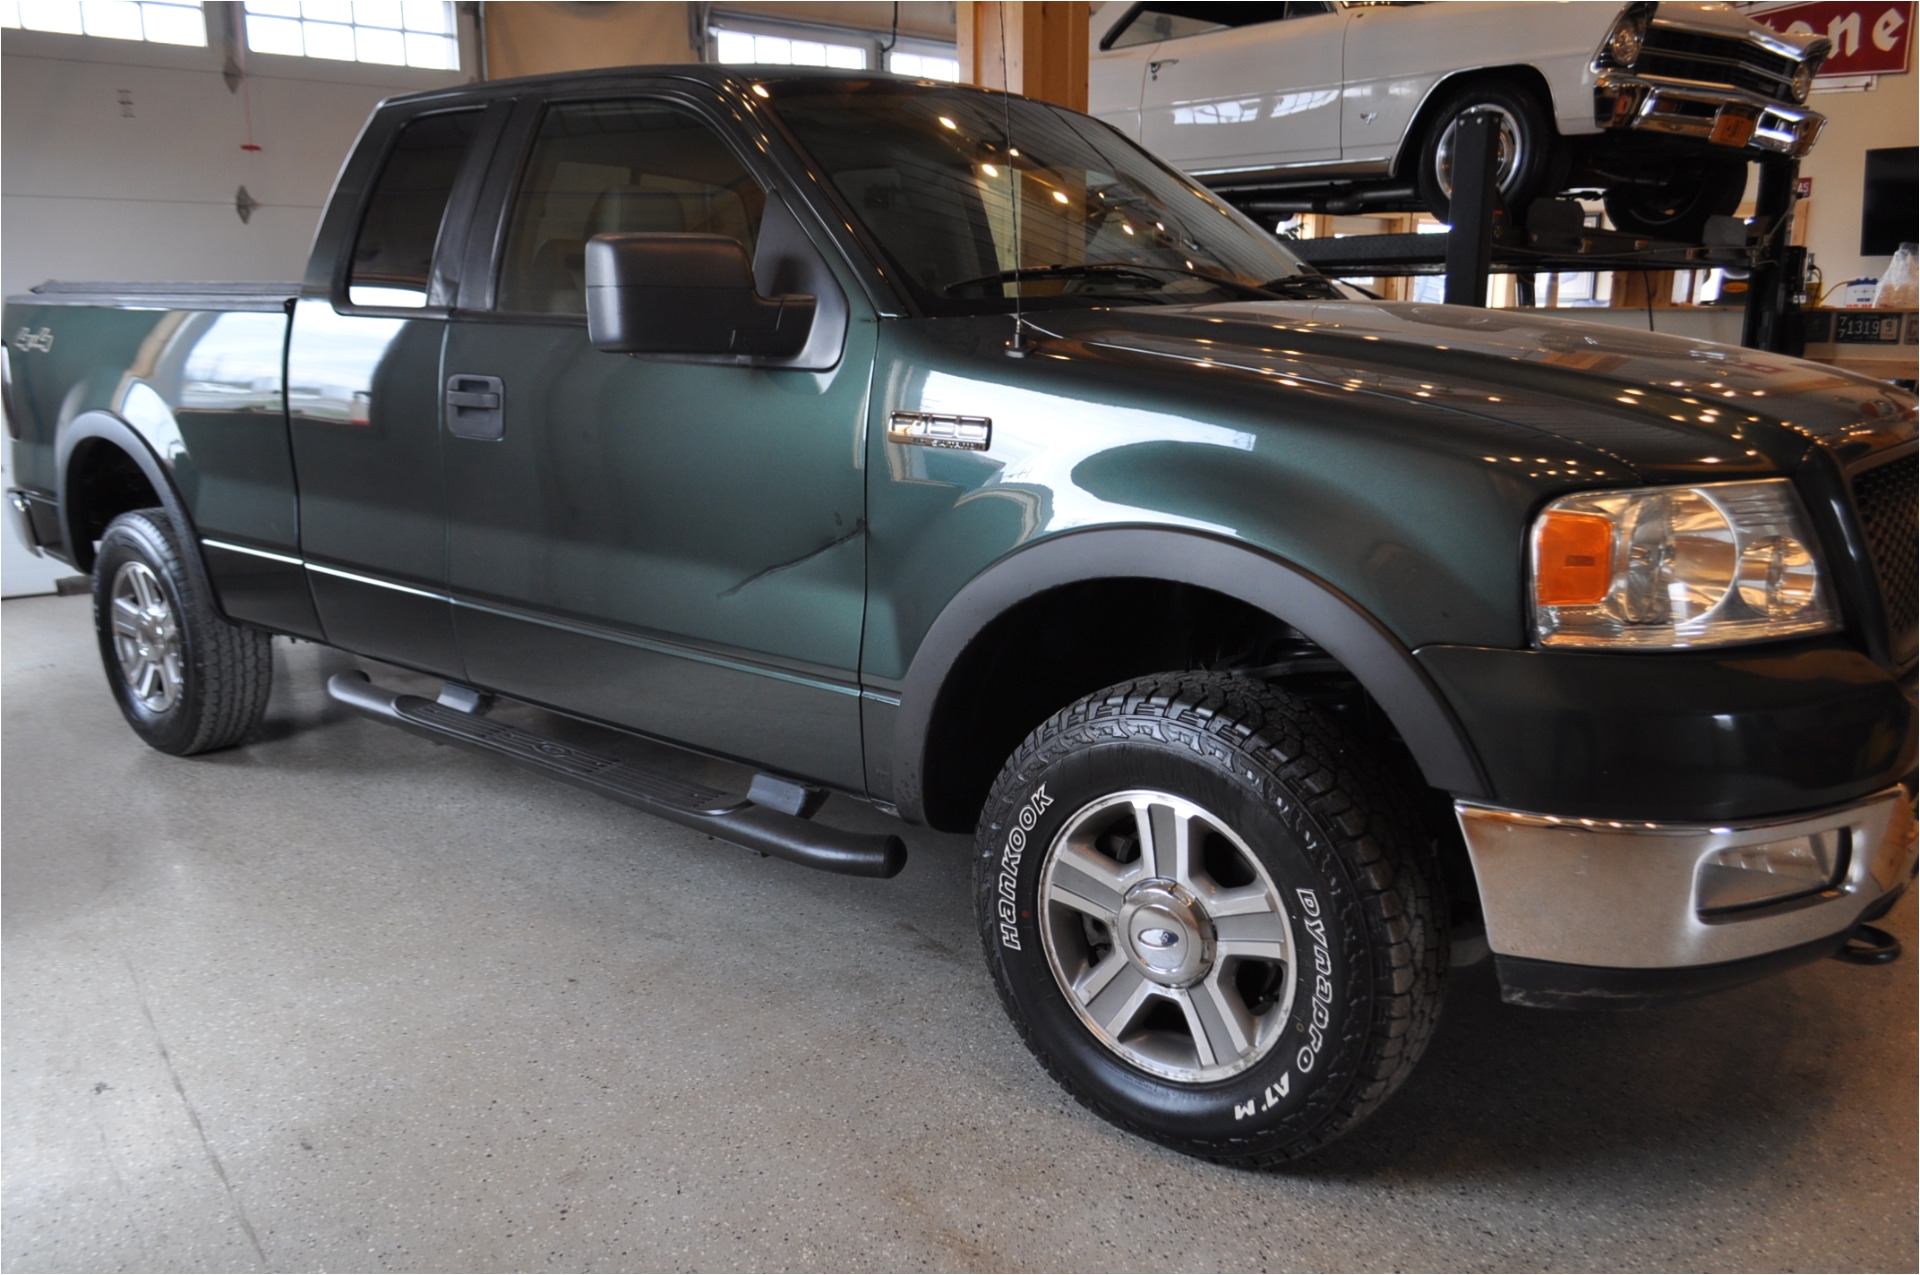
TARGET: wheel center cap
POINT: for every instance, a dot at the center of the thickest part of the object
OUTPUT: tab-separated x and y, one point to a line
1166	933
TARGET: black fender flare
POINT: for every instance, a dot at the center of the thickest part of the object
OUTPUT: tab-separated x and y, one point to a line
1291	595
107	428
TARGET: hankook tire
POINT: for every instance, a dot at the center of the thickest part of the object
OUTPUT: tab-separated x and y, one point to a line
1211	915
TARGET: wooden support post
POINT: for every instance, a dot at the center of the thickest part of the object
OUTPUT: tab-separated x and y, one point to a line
1045	48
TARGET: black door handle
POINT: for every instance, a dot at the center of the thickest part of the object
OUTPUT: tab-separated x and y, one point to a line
475	407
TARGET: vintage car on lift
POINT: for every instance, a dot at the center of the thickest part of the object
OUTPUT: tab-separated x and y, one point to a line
951	452
1336	107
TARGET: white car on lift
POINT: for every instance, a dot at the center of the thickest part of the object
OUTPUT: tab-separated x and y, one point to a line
1311	105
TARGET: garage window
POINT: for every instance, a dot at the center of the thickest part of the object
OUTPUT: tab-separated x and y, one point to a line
749	48
154	21
738	40
924	66
390	32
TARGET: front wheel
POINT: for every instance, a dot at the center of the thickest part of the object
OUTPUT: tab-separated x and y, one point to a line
1210	915
186	678
1525	158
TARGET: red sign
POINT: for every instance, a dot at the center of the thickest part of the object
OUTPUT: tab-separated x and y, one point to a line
1868	38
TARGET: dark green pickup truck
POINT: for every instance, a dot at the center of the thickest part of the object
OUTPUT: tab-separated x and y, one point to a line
946	450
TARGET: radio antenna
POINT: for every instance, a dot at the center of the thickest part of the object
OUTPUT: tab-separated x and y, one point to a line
1016	348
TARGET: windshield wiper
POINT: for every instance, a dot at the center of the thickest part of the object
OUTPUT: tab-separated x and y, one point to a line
1117	270
1303	287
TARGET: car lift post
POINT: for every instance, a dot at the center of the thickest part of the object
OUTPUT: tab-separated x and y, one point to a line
1771	288
1472	207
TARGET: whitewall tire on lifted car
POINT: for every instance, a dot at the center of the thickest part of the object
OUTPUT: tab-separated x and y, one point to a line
1211	915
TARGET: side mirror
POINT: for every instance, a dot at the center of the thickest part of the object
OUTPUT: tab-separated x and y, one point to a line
685	294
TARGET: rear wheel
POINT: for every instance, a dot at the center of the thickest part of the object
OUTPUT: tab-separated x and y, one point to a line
1210	916
1674	198
186	679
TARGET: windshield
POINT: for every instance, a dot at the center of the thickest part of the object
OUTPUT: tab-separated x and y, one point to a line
931	175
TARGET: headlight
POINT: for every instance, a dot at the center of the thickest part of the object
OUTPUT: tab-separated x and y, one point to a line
1802	81
1661	567
1623	42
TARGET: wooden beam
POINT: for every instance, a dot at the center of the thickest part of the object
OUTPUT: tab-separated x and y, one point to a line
1042	45
1631	289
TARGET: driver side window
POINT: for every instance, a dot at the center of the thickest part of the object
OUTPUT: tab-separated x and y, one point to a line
609	167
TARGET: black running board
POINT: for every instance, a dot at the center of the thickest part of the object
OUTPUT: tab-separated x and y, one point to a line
733	819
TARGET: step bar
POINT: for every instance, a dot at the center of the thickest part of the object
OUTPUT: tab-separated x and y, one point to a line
778	827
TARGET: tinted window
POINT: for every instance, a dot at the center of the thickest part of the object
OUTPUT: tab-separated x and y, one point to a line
393	254
1152	23
606	167
1069	213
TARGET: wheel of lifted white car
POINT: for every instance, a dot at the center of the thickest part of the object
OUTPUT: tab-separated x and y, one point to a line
1211	916
186	678
1673	198
1523	159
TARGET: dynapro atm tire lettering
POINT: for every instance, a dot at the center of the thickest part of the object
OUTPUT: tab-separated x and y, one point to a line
1322	1003
1319	1010
1016	846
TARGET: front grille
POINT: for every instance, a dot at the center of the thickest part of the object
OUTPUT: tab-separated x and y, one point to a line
1712	59
1883	501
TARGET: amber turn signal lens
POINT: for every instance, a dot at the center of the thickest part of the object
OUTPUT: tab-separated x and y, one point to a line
1573	560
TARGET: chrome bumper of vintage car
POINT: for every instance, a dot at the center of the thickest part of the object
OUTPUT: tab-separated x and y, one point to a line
1711	113
1625	895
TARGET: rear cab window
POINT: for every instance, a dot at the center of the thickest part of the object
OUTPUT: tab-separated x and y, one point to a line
391	264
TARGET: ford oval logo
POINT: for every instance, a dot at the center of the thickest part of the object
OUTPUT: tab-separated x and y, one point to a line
1158	938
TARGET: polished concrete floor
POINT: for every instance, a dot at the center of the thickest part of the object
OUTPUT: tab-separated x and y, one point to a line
344	1000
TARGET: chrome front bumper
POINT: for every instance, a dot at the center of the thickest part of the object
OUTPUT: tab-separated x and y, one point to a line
1626	896
1706	113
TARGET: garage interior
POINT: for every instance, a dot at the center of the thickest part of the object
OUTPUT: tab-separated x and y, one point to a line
340	999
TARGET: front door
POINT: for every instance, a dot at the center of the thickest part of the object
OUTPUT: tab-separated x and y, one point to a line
363	367
673	546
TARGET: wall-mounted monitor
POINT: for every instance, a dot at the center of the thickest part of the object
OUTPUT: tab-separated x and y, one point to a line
1890	205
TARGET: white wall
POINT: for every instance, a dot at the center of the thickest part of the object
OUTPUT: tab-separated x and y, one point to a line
89	192
1856	123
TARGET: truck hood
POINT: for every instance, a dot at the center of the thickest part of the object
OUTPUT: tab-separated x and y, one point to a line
1665	407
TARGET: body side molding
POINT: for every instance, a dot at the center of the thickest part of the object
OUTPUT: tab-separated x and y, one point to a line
1327	617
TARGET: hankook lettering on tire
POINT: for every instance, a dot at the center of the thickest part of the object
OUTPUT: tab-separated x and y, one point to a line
1010	854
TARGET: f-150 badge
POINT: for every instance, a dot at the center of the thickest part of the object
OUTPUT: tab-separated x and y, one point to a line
929	429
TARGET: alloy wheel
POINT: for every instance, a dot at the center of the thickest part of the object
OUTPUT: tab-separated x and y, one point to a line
1167	936
146	637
